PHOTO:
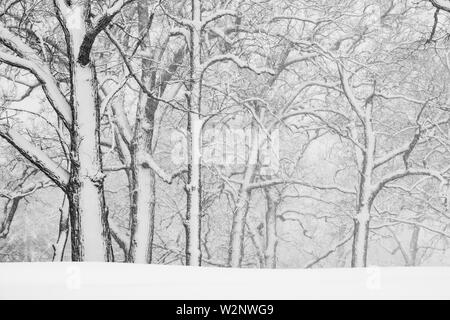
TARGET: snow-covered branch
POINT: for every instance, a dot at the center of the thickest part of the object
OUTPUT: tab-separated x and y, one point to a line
133	73
218	15
299	59
340	244
61	6
400	174
25	191
180	32
160	172
99	25
399	97
237	61
36	156
14	198
348	91
441	4
183	22
27	59
300	19
272	183
391	155
116	8
420	225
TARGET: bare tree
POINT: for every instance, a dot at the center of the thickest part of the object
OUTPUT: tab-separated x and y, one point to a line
80	114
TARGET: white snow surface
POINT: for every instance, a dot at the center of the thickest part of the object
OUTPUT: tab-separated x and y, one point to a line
121	281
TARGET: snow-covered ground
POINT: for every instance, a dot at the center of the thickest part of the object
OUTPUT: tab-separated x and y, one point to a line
118	281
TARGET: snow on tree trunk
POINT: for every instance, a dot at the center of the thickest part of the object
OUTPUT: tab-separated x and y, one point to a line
414	247
365	201
143	190
195	126
361	239
88	216
193	189
142	220
63	234
143	178
270	254
236	251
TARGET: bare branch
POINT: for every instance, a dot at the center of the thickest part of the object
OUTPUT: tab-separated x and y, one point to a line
330	252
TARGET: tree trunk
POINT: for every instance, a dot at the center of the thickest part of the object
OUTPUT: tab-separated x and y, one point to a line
365	197
143	178
193	188
361	239
89	222
59	247
270	255
236	251
142	216
414	247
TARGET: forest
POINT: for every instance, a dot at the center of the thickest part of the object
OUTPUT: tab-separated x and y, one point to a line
225	133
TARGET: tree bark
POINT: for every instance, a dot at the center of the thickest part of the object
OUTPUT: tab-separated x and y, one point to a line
194	97
59	247
365	199
414	247
361	239
271	243
143	177
236	251
90	234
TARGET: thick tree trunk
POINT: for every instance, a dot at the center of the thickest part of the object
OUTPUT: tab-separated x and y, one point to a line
89	222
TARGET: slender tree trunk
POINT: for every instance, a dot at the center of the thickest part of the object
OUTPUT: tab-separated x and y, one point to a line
362	219
59	247
143	178
236	251
271	243
143	209
193	188
341	252
414	247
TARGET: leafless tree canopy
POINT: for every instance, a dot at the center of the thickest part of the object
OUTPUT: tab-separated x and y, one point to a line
229	133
